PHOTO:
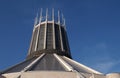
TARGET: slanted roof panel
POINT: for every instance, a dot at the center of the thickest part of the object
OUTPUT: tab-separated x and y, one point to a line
48	62
19	67
79	67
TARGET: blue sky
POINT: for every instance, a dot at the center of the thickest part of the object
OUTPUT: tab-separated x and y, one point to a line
93	28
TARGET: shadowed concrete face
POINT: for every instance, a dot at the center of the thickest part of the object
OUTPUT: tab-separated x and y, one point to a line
2	77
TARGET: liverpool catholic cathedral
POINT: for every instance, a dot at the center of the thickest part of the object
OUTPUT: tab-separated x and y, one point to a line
49	53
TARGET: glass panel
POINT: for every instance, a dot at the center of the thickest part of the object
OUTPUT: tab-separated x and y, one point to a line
64	38
41	37
57	37
49	40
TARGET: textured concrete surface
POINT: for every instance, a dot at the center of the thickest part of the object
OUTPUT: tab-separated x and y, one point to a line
49	74
113	75
57	74
11	75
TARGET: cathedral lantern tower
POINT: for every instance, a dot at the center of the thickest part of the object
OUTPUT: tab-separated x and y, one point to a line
49	36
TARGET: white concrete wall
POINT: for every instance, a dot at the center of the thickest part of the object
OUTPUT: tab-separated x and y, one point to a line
57	74
113	75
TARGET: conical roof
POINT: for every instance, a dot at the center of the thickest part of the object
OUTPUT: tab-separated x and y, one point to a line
50	63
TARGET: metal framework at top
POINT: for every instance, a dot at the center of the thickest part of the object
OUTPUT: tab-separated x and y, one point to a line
49	18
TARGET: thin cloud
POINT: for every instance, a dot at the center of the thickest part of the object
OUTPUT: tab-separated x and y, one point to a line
105	67
99	57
